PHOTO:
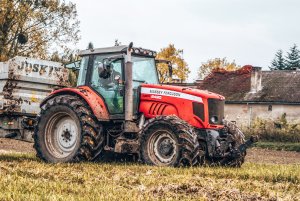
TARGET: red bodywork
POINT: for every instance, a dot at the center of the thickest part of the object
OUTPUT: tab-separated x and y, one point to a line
95	101
154	100
160	100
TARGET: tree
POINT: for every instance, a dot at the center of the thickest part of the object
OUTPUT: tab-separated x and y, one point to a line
44	23
293	58
278	62
217	63
67	58
56	57
180	67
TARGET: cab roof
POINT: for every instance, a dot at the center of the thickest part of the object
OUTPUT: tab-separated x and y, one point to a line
104	50
118	49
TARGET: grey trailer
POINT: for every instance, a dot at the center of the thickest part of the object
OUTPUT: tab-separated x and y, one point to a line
24	83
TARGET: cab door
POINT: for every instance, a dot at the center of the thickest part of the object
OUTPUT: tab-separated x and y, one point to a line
109	88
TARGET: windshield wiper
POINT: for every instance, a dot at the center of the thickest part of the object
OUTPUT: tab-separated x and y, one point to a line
142	81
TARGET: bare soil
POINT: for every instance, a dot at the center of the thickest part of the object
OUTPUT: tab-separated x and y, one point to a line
9	145
257	155
254	155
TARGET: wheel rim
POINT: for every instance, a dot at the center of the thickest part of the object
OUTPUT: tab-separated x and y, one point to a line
61	135
162	148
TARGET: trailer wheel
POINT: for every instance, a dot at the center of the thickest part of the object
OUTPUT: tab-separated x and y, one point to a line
67	131
169	141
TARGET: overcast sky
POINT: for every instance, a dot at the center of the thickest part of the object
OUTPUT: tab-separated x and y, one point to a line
247	31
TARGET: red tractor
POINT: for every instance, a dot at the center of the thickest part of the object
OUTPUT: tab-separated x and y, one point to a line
120	107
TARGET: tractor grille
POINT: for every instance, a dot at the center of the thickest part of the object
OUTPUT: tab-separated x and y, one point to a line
216	111
157	108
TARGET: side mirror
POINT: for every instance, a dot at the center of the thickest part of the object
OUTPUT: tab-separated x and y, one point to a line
75	66
104	70
170	68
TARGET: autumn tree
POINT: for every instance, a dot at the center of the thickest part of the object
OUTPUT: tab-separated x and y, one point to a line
66	59
278	63
45	23
180	67
217	63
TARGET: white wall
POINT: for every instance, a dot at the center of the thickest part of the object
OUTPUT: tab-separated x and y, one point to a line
244	114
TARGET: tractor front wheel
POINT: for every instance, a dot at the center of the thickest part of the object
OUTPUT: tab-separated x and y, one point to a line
169	141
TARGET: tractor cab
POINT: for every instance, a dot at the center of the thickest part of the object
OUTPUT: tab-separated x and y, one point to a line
103	70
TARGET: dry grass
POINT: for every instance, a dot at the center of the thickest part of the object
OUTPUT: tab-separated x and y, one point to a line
274	131
23	177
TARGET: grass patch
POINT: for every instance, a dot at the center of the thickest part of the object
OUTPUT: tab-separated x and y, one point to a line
23	177
286	146
274	131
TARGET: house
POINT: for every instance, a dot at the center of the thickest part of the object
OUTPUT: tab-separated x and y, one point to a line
252	93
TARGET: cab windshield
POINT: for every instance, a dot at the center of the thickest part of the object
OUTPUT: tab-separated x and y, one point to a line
144	70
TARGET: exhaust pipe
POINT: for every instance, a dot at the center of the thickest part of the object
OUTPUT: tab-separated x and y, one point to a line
130	126
128	86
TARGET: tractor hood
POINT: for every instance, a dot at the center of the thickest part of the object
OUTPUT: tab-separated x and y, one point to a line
170	90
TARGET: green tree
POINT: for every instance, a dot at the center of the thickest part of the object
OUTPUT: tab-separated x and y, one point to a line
293	58
206	68
45	23
278	62
180	67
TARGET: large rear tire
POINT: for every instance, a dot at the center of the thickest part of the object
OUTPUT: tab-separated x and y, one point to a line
67	131
169	141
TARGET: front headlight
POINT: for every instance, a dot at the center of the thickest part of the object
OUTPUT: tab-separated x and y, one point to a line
214	119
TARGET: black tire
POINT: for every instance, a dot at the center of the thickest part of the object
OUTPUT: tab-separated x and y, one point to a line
236	162
239	140
172	133
55	145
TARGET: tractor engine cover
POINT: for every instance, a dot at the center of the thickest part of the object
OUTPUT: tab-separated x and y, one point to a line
190	105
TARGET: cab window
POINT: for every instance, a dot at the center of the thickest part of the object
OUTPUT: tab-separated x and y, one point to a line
108	86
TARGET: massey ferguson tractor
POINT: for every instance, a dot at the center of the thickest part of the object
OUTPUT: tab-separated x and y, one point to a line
119	106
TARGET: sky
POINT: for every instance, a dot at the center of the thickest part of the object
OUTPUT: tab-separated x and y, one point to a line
244	31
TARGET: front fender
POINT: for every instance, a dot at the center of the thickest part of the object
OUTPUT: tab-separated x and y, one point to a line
95	102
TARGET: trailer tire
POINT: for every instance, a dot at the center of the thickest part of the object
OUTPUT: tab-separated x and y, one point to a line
67	131
168	141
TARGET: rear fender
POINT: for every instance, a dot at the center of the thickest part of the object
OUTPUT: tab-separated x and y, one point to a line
95	102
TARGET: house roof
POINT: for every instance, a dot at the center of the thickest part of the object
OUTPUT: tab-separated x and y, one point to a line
277	86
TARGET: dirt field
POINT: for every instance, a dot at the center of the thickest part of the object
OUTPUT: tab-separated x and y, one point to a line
254	155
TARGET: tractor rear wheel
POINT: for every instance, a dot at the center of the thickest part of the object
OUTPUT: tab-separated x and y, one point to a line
67	131
169	141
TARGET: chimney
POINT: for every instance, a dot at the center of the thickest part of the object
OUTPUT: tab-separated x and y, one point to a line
256	75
